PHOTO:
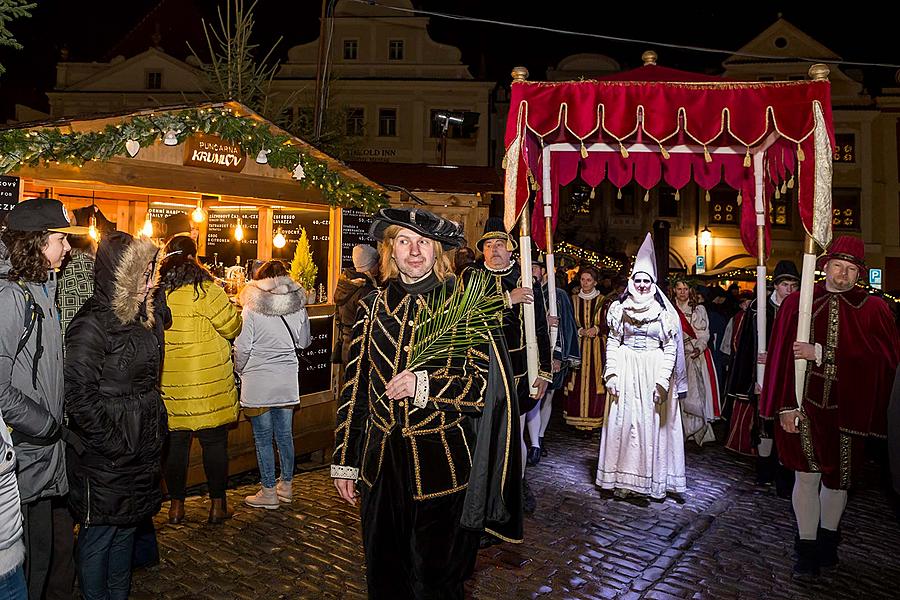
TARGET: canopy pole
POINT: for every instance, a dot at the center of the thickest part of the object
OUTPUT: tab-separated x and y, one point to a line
760	209
807	280
531	349
550	258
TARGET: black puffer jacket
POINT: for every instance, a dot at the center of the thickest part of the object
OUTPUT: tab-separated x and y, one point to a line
112	389
352	287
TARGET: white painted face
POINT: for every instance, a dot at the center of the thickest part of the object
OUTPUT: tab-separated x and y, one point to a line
414	254
840	275
56	249
642	283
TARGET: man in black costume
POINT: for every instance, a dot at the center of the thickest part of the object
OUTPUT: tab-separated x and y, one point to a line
750	434
497	246
428	449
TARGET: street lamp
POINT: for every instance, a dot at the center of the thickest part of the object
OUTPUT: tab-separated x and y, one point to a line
467	120
705	239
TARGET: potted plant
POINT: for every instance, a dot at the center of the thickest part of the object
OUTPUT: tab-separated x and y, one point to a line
303	269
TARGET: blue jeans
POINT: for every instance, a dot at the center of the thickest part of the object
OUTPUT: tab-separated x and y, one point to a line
279	421
13	586
103	561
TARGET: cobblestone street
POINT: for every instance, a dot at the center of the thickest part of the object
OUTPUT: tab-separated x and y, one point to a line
729	539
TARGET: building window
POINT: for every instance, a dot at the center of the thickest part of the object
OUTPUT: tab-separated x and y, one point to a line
154	80
395	50
668	205
781	209
387	122
356	122
845	209
844	148
723	207
351	49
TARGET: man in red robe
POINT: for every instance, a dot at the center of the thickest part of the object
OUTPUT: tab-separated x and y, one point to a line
853	353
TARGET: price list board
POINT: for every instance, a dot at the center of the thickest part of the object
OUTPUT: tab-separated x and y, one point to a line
9	194
316	223
220	242
317	376
355	226
158	215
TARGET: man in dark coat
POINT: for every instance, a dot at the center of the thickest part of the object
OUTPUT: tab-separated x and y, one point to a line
852	355
428	448
352	286
749	434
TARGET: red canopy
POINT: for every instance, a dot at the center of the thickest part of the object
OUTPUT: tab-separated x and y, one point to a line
694	125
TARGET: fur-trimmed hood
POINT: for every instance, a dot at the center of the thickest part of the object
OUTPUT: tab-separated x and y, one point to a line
273	296
119	276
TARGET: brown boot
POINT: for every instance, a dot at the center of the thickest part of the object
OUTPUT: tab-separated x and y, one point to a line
176	511
218	511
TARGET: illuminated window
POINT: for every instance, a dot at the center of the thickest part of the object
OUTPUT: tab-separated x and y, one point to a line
845	207
723	207
844	148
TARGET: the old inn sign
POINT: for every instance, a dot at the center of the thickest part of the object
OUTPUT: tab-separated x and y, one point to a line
212	152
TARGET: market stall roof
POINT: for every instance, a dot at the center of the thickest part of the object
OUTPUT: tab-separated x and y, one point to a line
134	149
434	178
655	124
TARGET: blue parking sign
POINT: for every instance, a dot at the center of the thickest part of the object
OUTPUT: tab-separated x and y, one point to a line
875	278
700	265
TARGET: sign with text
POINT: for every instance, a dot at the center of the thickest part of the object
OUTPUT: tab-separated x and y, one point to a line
317	376
875	278
212	152
316	223
220	243
9	192
158	215
700	265
355	226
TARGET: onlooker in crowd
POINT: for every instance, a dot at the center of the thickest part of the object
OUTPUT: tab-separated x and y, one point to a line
462	258
198	376
353	285
114	406
31	369
275	324
12	548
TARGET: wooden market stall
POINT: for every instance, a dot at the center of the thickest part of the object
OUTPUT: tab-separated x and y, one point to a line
229	169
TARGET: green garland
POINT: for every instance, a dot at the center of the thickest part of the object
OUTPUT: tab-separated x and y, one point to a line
32	146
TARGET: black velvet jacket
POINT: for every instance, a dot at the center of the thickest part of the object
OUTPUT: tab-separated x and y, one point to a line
438	433
741	381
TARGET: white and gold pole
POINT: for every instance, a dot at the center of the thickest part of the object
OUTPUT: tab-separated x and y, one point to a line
550	258
531	349
804	322
761	303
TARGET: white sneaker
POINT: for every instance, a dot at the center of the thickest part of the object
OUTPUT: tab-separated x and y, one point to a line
264	498
284	492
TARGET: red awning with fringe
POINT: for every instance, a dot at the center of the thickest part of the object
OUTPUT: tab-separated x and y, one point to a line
655	123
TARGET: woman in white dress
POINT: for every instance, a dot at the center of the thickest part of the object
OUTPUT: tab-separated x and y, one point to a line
642	445
701	406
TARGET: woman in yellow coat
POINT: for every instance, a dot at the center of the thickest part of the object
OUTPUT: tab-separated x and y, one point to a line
198	376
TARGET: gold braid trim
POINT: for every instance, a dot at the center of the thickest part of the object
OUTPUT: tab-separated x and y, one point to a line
807	444
846	445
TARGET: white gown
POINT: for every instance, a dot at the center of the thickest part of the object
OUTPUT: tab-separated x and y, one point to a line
699	407
642	445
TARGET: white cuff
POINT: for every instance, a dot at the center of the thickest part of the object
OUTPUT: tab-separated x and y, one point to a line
344	472
818	354
421	399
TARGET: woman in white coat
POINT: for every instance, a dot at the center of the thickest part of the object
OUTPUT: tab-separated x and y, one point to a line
642	448
275	323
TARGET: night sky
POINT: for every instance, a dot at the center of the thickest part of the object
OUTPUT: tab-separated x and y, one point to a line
98	29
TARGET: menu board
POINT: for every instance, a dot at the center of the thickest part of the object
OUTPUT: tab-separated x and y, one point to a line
316	223
221	246
9	194
317	376
158	215
354	230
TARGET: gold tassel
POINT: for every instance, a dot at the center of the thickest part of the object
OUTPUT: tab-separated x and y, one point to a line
593	193
664	152
801	156
790	183
622	150
706	155
584	152
740	198
747	161
707	195
504	163
647	196
619	194
777	194
534	183
783	188
677	195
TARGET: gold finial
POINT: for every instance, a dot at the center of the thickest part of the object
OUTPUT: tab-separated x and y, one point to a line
819	72
520	74
649	57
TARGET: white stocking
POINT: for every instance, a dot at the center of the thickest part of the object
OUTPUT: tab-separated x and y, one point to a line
534	425
522	437
806	504
764	448
833	503
546	409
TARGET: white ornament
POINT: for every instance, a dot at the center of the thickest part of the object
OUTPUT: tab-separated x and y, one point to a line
171	138
132	146
299	173
263	156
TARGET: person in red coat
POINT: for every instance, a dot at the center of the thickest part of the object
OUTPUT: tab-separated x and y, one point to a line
852	355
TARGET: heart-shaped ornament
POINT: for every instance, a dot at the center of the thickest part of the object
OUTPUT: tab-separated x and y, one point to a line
132	146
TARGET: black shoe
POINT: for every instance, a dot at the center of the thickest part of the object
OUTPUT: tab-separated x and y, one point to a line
543	447
765	470
827	545
487	540
534	456
807	564
529	502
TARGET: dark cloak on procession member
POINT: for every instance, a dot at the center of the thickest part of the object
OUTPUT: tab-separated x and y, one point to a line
440	462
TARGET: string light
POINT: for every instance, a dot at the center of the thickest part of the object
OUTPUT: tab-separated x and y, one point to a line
239	230
147	229
279	240
198	215
92	229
